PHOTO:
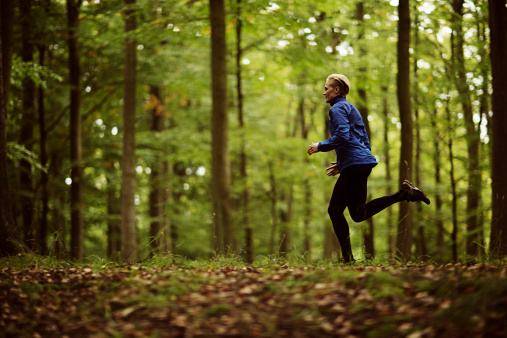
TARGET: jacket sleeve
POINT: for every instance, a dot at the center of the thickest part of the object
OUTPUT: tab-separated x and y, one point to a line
341	134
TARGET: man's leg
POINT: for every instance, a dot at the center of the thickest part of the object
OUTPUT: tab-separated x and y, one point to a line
336	207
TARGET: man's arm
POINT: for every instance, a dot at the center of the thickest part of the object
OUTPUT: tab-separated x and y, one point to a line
340	134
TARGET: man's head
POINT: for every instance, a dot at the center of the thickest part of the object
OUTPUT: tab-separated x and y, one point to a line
337	85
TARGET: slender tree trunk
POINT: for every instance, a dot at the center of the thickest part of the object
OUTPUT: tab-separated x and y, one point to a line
438	183
273	198
9	243
76	207
26	134
368	234
285	220
498	38
404	238
387	159
422	251
242	152
156	179
472	139
58	220
113	216
454	234
307	192
43	227
128	213
484	113
223	232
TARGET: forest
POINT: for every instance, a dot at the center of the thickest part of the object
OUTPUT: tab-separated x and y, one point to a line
155	179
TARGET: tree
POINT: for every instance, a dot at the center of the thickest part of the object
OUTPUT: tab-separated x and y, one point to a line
223	233
157	224
128	214
404	238
421	240
43	226
26	132
368	234
8	240
473	136
245	195
76	173
498	27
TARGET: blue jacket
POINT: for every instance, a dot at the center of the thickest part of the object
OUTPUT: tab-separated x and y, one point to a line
348	136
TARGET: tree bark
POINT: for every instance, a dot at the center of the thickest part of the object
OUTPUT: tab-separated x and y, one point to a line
43	225
285	220
387	159
438	182
273	202
368	233
223	232
157	226
421	248
76	173
128	213
26	133
9	243
473	137
404	237
113	215
498	27
242	152
454	234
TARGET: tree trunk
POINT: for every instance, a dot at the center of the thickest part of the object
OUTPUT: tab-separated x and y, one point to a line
307	192
128	213
421	249
224	237
273	199
58	219
368	234
8	237
438	182
285	220
26	133
157	230
484	114
43	226
242	152
113	216
473	137
76	207
387	159
498	27
404	238
454	234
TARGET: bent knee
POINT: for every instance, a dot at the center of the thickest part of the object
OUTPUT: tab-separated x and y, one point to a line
357	215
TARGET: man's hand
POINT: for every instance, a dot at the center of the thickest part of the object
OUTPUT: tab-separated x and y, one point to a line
332	169
313	148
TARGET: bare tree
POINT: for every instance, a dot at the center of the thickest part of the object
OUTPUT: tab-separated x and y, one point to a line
472	139
498	27
128	213
404	238
76	173
223	232
8	236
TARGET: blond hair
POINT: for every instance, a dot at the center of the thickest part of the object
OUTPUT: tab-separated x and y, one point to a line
341	81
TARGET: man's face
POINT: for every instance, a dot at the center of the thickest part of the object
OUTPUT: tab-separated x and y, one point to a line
330	91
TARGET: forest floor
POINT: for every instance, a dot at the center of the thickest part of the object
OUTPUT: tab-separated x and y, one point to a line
177	298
